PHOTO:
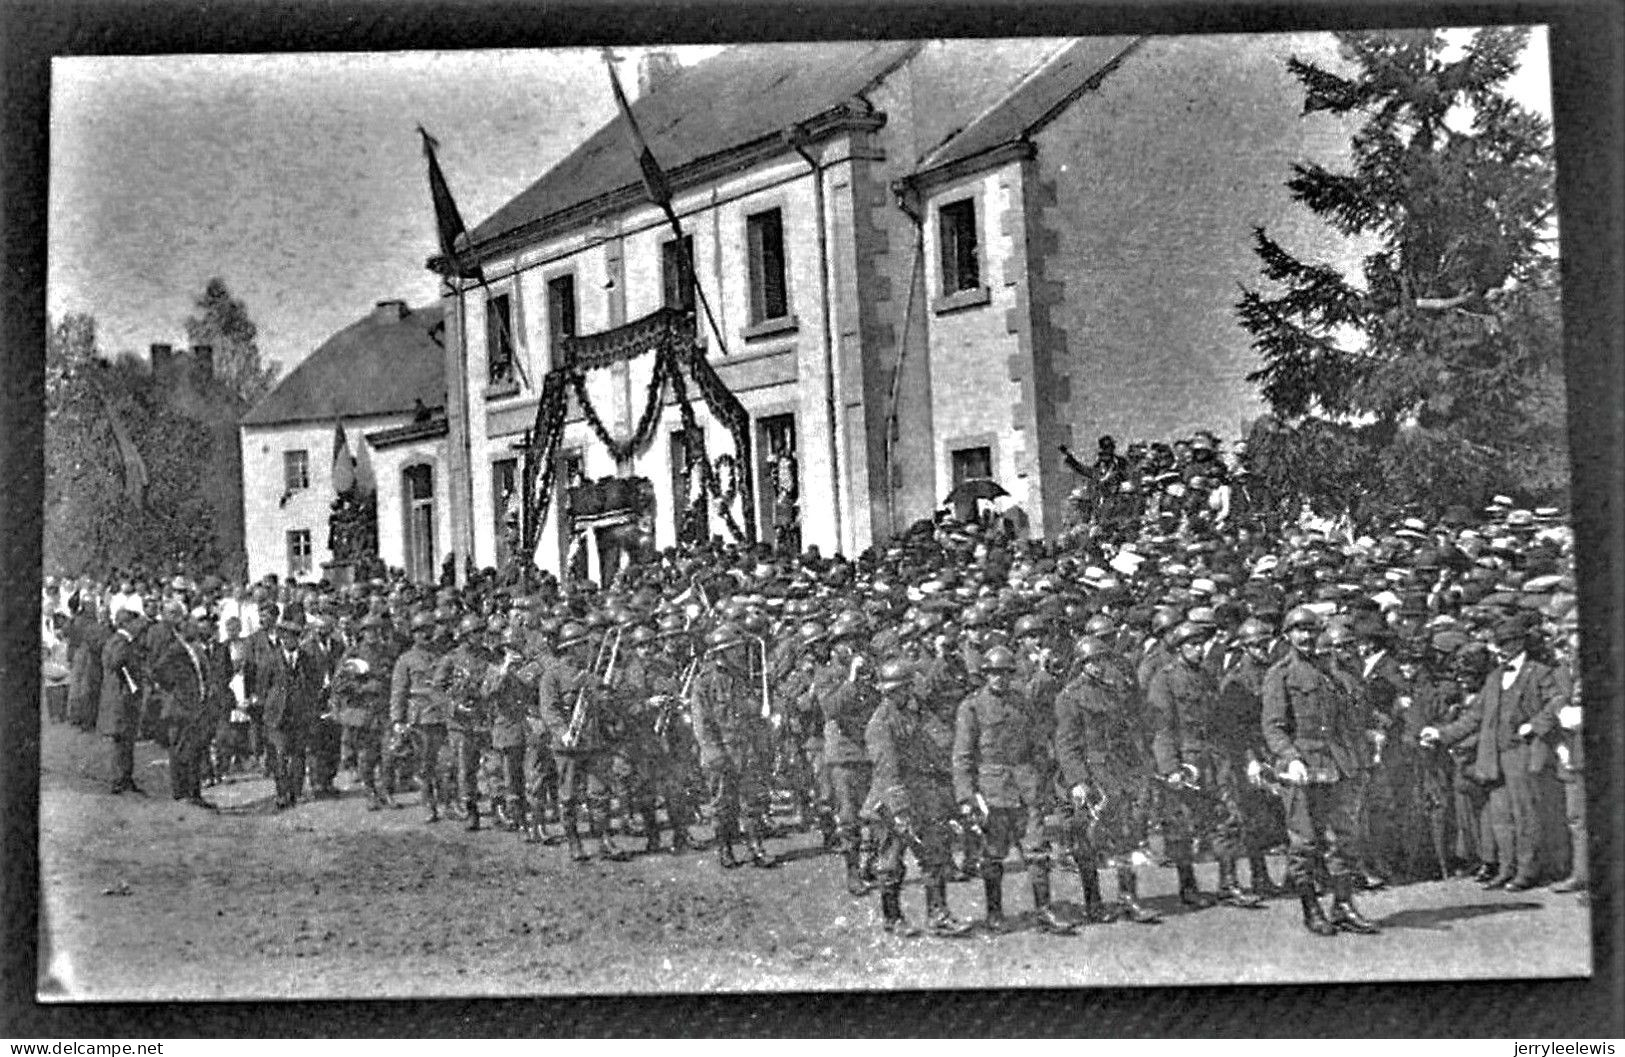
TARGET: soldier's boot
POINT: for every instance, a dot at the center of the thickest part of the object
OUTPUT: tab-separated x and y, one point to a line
726	836
868	853
993	896
856	886
1094	907
680	840
1258	872
1344	916
760	857
1314	918
651	829
606	844
472	810
572	838
516	815
1128	897
1189	893
1044	912
891	912
938	921
434	809
830	836
1230	892
376	801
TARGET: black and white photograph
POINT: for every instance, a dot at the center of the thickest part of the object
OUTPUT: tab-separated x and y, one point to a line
867	515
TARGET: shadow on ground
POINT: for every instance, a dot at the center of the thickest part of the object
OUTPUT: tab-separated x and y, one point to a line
1437	919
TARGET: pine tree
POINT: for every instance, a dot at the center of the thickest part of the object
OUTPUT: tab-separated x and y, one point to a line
1444	354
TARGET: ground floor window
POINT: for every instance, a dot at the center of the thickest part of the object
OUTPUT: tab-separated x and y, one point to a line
299	554
418	488
778	470
505	508
690	506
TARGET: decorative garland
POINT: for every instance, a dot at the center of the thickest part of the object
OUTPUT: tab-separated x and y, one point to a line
670	333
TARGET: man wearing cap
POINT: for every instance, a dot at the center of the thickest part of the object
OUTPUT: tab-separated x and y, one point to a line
1000	750
1312	727
508	688
418	710
1201	782
1515	756
119	715
180	671
912	793
1241	711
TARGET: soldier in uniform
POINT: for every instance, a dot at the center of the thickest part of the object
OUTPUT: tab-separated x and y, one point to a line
459	675
1241	713
642	684
361	692
1202	782
1312	727
509	689
911	793
570	704
847	700
418	708
735	740
1104	769
1000	751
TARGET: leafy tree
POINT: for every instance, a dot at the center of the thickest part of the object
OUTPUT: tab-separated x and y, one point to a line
223	323
93	521
1444	355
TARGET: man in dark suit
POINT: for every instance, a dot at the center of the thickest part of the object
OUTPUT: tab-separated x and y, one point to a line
1515	754
286	683
180	671
119	717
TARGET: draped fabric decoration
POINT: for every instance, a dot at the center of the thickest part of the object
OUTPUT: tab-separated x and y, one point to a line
669	334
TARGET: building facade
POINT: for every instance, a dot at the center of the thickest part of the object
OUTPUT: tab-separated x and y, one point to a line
379	384
924	262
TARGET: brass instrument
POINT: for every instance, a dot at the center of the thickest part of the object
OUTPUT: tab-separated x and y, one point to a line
610	646
761	650
669	704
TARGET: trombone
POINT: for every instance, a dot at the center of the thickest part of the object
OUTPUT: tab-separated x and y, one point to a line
610	647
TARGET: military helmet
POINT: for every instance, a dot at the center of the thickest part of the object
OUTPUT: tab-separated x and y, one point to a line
572	634
445	615
1301	617
810	632
724	634
495	624
928	620
1188	631
514	636
423	620
893	672
1090	648
672	624
472	624
1099	624
1252	631
998	659
754	624
1031	624
641	635
370	621
1164	618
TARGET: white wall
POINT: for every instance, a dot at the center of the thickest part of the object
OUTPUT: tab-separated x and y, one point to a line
266	519
388	464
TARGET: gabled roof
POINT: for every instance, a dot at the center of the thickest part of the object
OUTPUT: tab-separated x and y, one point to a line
375	366
1077	69
741	96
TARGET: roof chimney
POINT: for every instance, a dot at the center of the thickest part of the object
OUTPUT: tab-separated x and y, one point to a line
389	311
655	70
162	357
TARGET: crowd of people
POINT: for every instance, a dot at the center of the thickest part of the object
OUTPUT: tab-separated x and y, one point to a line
1173	678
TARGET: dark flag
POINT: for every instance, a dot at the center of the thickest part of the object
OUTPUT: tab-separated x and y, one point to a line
134	467
654	179
344	476
446	217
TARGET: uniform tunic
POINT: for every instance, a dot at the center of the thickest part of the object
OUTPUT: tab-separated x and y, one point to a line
1000	754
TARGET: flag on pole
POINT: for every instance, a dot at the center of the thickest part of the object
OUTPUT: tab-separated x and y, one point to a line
343	462
654	179
448	220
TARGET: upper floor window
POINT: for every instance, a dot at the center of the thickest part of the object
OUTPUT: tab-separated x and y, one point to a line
676	275
971	464
561	310
299	553
956	237
295	470
769	296
499	346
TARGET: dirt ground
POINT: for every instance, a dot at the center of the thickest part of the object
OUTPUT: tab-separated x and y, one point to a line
145	898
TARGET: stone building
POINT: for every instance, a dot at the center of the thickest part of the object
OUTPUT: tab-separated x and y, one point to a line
381	382
927	261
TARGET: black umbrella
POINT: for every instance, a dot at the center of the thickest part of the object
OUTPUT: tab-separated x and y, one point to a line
976	488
